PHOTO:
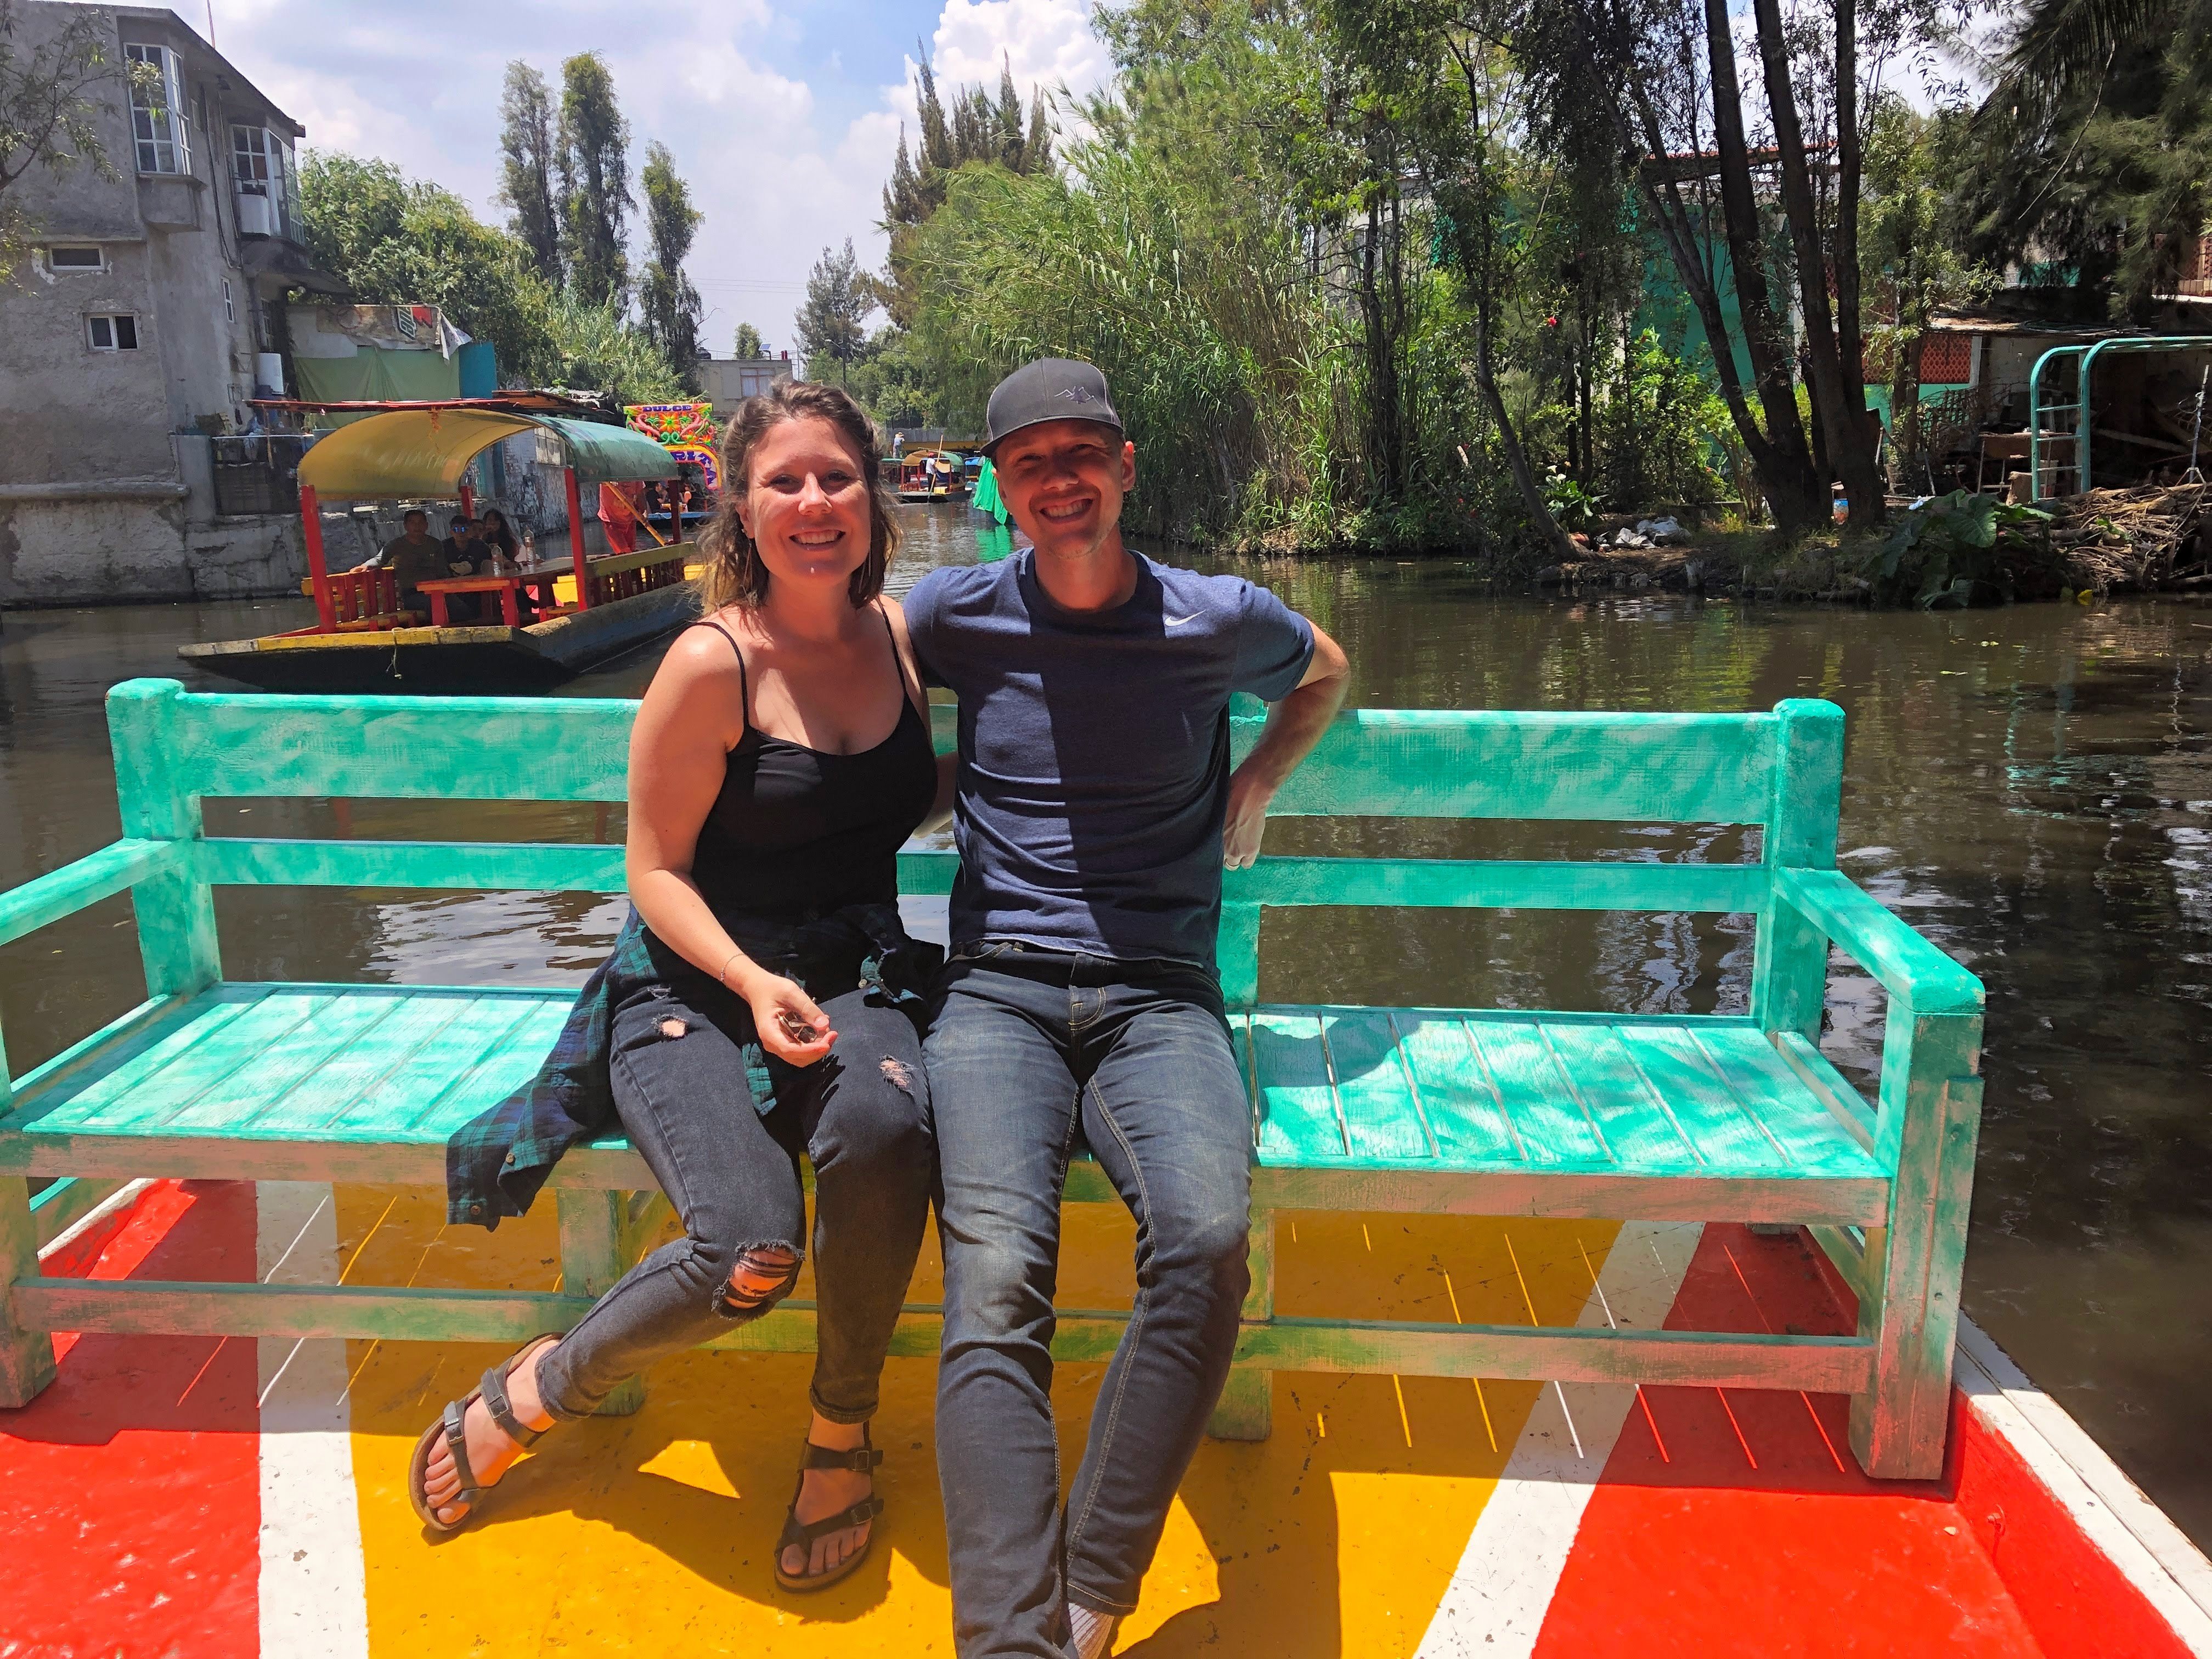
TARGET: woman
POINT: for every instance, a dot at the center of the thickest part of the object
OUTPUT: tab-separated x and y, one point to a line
496	532
780	759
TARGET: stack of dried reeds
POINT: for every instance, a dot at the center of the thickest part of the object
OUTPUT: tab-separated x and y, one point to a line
2145	537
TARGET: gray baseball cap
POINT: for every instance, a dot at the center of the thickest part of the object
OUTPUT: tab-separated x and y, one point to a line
1049	389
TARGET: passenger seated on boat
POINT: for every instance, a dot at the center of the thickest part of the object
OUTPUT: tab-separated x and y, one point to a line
410	555
762	1000
463	554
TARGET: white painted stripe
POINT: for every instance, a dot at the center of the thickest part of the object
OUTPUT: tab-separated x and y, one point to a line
1494	1607
2112	1510
313	1596
122	1197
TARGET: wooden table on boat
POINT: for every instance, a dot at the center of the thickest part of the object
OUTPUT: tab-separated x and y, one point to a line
508	586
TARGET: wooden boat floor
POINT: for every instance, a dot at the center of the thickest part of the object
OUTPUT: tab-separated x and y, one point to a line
1404	1089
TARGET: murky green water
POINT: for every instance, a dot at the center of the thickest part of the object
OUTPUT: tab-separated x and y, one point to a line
2032	787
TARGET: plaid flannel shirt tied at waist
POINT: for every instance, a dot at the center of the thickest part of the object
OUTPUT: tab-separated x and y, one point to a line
495	1163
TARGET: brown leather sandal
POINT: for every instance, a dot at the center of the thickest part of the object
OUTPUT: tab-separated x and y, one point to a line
802	1534
452	1426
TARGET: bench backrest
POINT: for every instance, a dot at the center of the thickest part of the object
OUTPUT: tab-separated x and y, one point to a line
1782	771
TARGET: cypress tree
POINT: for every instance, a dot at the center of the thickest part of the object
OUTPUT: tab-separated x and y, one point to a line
666	297
594	168
526	155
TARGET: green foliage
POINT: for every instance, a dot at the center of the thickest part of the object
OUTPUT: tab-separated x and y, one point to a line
47	111
832	322
669	302
749	341
1573	506
528	159
394	241
594	170
1662	427
892	381
2093	150
972	128
1958	550
594	349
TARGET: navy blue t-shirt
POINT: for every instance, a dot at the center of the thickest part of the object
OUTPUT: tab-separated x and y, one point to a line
1094	750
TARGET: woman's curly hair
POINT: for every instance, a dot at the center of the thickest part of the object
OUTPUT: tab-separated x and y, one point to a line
735	574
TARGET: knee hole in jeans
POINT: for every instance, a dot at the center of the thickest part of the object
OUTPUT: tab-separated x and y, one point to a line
762	1277
898	1074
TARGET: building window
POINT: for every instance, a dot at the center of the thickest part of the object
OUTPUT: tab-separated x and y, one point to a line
75	259
157	111
114	333
229	311
261	168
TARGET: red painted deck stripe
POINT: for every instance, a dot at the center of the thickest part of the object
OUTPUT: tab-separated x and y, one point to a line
2078	1602
1705	1555
130	1493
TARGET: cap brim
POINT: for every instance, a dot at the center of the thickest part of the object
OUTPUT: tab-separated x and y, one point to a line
992	448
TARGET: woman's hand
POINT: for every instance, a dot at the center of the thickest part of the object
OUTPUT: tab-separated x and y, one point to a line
791	1027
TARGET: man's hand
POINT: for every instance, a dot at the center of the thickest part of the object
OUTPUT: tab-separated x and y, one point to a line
1294	726
1248	819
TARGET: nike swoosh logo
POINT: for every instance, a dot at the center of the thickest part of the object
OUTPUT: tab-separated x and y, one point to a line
1177	622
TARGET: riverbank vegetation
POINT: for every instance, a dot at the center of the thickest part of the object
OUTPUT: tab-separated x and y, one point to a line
1448	274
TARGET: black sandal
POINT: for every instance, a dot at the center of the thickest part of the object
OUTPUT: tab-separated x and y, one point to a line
452	1426
802	1534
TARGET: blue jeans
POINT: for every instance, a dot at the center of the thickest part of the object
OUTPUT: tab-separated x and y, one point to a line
861	1115
1032	1055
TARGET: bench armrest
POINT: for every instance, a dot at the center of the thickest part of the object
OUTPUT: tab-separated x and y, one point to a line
1905	964
73	887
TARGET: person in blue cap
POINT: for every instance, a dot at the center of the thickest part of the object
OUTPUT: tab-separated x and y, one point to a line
1095	810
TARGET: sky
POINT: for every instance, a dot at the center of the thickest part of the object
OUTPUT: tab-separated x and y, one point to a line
783	115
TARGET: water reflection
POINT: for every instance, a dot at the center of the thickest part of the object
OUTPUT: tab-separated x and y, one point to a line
2032	787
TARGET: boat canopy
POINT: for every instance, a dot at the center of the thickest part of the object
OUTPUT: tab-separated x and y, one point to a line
421	453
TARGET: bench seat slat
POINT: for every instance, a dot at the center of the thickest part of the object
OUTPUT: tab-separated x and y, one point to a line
1788	1109
1639	1128
1381	1115
268	1069
1465	1112
1427	1092
1715	1112
1298	1103
349	1084
1550	1123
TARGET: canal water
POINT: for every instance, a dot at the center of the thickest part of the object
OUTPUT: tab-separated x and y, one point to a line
2032	787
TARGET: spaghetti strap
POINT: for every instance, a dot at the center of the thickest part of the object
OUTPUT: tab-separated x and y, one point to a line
744	682
898	658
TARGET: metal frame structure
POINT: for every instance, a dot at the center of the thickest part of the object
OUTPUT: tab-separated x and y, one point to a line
2080	434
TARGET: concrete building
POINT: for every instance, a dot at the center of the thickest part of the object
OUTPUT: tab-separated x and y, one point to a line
138	328
726	382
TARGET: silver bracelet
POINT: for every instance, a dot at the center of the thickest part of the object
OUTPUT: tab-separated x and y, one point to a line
724	976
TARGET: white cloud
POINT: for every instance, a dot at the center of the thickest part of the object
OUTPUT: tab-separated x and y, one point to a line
1046	42
417	82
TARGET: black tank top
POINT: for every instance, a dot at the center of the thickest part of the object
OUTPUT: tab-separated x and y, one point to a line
796	832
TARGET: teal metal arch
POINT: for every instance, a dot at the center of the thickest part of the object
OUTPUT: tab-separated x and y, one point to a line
2087	355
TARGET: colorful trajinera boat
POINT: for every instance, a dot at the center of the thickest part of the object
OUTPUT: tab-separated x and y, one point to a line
931	475
362	640
1471	1414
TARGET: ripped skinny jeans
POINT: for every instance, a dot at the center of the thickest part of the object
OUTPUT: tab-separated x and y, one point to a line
684	1091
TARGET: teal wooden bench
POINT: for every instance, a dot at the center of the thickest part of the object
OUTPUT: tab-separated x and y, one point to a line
1434	1110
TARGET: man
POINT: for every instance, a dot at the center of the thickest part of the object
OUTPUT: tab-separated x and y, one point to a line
621	506
464	553
410	556
1095	810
